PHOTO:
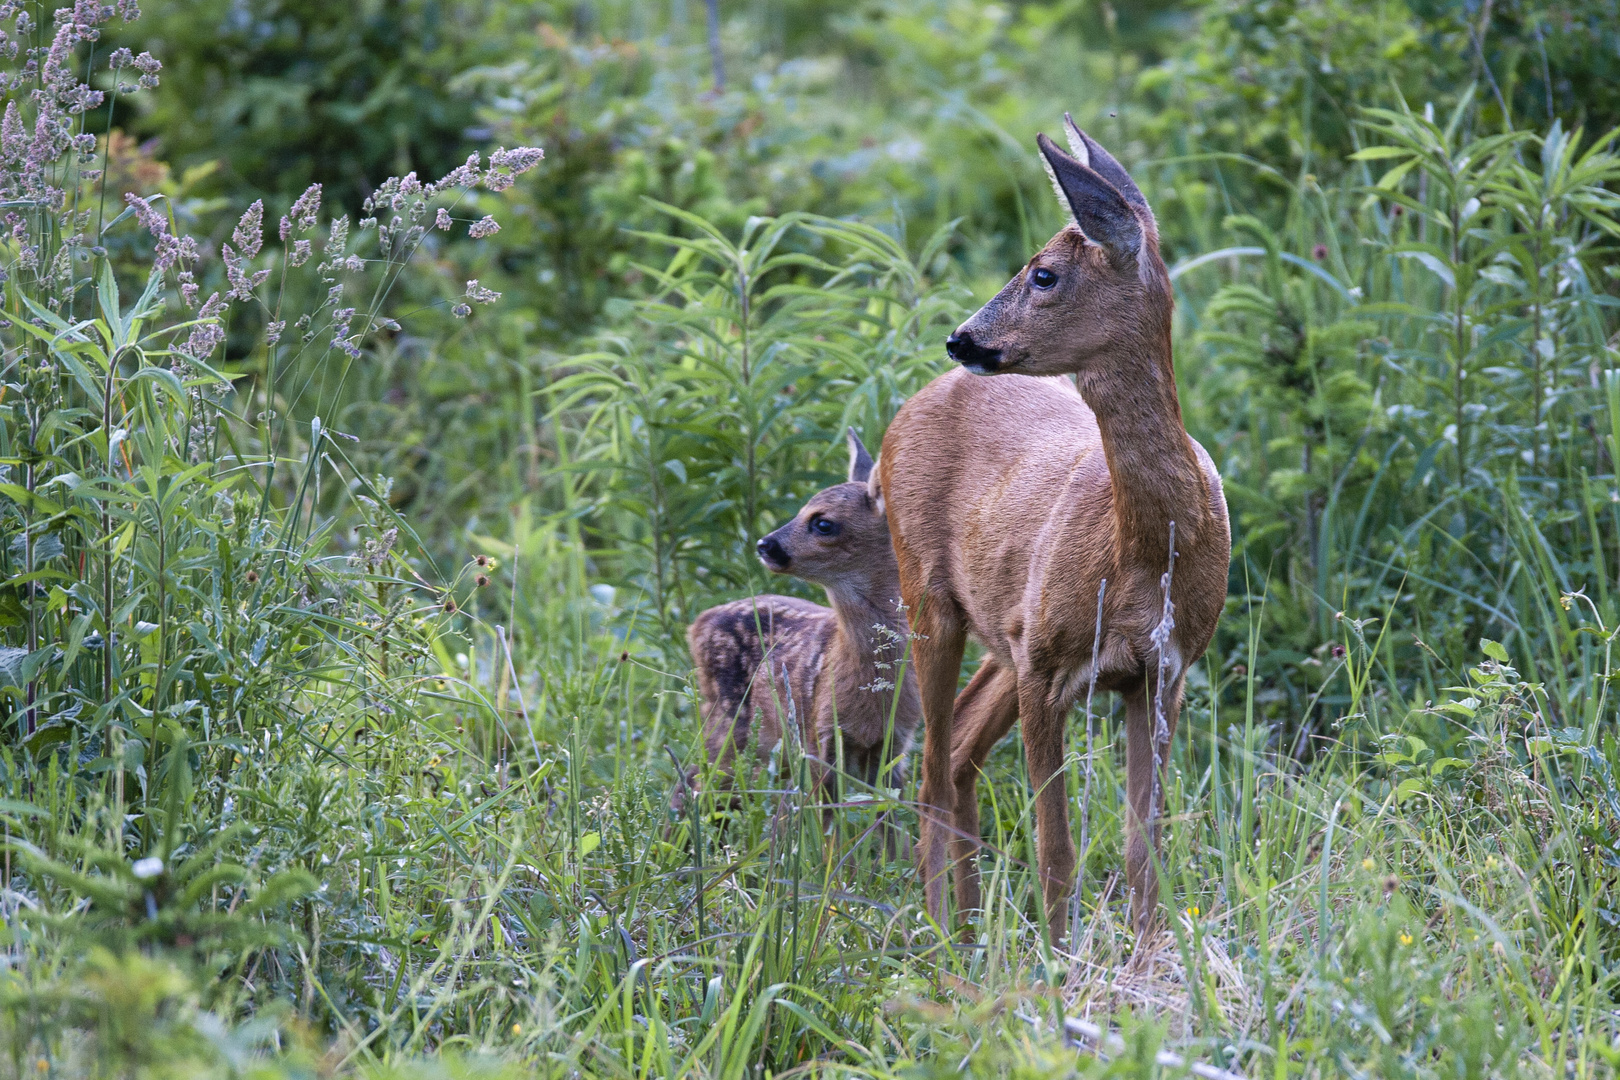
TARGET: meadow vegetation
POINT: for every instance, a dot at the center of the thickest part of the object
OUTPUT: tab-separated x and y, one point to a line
350	527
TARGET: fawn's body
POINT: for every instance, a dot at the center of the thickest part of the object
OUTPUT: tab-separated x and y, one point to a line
1012	499
765	661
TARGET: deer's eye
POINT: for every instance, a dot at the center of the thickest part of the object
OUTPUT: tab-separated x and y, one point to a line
824	526
1042	278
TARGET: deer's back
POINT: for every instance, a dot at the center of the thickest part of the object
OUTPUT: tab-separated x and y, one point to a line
757	660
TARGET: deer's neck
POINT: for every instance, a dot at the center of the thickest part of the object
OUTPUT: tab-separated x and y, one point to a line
871	626
1155	475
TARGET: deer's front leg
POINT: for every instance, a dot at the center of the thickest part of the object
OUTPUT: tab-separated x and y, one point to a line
1144	795
937	654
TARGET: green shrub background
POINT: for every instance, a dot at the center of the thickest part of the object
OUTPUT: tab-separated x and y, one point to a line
342	671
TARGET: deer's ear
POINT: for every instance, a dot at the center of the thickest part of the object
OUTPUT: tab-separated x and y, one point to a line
1089	152
860	462
1099	208
874	489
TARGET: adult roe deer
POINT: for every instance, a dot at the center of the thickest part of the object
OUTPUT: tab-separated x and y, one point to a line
1011	500
763	659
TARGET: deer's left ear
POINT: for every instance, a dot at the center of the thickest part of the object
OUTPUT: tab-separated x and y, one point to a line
1089	152
1101	211
860	462
874	489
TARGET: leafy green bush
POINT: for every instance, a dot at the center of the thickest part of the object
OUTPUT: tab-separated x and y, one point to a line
709	419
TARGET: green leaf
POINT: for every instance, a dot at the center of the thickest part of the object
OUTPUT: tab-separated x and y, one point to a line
1377	153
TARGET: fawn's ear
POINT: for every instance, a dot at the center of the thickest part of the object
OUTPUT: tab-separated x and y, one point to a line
874	488
860	462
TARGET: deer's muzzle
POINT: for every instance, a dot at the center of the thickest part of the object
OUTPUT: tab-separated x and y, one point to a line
971	355
772	553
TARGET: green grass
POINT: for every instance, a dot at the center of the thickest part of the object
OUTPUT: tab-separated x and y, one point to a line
295	781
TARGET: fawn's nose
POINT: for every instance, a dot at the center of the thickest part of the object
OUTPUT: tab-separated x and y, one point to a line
970	354
771	552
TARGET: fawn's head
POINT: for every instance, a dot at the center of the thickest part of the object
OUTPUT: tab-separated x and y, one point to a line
841	536
1097	285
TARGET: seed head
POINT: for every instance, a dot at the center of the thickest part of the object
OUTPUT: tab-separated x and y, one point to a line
480	295
481	580
1319	252
449	605
482	560
251	577
249	234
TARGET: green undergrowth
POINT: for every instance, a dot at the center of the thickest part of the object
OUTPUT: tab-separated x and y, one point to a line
306	771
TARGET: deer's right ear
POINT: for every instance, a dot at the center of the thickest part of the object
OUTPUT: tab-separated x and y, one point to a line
860	462
1102	213
874	489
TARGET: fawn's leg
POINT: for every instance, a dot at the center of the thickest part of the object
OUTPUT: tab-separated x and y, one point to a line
985	711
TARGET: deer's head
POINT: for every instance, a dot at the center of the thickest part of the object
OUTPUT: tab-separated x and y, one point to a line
840	538
1096	285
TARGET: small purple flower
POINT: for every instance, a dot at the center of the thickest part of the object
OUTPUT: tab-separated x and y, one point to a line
461	311
487	226
1319	252
249	234
148	65
120	59
272	331
154	222
463	175
206	336
480	295
13	138
303	212
440	220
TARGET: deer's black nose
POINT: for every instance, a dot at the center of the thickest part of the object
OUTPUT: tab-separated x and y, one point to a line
771	552
971	355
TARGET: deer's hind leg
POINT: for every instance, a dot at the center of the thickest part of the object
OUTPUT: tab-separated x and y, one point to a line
985	711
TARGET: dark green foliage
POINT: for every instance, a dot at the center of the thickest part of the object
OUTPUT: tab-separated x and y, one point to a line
288	93
343	678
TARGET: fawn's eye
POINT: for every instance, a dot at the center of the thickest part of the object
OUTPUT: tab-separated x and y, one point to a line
1042	278
824	526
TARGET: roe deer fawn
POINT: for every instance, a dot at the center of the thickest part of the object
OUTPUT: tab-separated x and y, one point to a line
1012	500
767	660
